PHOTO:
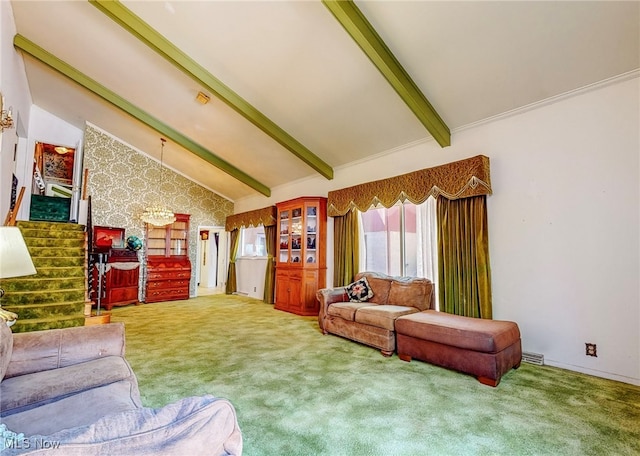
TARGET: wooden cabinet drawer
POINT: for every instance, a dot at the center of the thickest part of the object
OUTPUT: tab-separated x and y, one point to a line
168	284
123	294
168	275
167	294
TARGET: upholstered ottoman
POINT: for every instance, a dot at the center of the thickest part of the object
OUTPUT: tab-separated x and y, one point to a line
484	348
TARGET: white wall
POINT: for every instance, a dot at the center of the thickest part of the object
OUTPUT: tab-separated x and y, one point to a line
563	220
250	272
32	123
46	128
14	88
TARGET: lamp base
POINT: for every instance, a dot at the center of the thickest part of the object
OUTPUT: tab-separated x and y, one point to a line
7	316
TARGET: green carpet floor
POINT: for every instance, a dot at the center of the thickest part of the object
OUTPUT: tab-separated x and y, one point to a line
298	392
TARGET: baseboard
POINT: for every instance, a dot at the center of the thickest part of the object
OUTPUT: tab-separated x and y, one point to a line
593	372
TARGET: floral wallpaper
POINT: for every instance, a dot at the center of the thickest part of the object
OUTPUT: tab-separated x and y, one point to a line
122	182
58	167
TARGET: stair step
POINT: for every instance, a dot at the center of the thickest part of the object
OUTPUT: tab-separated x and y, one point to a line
31	283
37	252
51	272
42	297
53	226
41	324
48	311
59	261
49	232
61	243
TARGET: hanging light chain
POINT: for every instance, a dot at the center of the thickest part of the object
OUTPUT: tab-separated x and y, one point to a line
158	214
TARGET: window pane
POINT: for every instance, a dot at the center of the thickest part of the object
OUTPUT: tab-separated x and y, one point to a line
252	242
382	240
410	241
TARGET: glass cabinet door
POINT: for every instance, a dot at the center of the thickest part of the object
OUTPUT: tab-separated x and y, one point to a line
284	237
311	232
296	235
178	239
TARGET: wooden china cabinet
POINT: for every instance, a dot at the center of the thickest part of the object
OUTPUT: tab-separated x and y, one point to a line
301	254
168	265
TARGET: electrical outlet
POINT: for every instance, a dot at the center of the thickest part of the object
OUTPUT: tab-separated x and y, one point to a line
591	349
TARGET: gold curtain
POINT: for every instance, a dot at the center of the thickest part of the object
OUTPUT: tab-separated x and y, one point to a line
270	235
265	216
234	239
345	248
463	257
460	179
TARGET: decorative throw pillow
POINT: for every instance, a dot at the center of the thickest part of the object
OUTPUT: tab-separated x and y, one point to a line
359	291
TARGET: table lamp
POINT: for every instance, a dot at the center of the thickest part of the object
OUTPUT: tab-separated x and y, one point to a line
15	261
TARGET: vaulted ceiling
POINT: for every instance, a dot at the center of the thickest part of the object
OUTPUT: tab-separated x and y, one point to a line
301	87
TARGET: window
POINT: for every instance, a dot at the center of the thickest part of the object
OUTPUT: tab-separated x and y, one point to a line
383	250
400	240
252	242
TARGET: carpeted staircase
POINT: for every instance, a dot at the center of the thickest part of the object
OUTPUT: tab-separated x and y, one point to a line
55	296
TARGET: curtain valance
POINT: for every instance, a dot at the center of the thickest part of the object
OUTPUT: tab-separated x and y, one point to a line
265	216
460	179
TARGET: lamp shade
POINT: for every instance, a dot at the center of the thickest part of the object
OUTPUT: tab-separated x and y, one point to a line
15	260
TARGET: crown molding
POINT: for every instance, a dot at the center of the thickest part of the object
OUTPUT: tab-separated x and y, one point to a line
554	99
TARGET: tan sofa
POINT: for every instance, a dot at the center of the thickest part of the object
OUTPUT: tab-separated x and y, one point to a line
71	392
373	322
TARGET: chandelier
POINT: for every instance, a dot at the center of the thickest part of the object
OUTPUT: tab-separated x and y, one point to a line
158	214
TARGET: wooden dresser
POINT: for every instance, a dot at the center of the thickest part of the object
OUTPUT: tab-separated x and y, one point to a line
168	265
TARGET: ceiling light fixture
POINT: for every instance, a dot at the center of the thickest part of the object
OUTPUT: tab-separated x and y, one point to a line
202	98
61	150
158	214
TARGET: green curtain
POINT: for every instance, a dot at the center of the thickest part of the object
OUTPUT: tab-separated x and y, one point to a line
270	234
234	239
463	257
345	248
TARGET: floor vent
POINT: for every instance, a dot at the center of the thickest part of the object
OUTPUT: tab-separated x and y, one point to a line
533	358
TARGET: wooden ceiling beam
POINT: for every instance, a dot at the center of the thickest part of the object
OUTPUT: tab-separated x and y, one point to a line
35	51
145	33
363	33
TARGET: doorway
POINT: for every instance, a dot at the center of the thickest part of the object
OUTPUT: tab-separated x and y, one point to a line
55	178
213	255
53	168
